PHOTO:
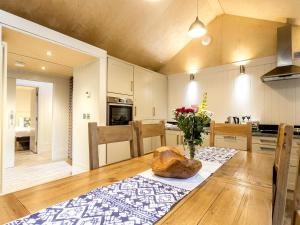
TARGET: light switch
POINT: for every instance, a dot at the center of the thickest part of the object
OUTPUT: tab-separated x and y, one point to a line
84	116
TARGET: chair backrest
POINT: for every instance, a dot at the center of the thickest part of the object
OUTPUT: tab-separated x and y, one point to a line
109	134
279	144
280	173
243	130
296	205
149	130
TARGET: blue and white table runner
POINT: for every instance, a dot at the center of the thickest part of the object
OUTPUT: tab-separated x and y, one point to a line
142	199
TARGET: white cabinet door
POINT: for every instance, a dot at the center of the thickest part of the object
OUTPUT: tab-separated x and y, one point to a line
160	99
143	106
119	77
117	152
147	145
172	137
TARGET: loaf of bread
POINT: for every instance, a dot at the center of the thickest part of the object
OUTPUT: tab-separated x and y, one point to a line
170	162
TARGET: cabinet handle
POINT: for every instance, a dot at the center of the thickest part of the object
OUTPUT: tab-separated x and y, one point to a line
177	141
267	148
134	110
131	86
230	137
267	141
153	111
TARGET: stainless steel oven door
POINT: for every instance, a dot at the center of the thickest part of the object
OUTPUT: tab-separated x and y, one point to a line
119	114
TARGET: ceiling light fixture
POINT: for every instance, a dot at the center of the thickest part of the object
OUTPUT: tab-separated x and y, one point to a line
242	69
43	68
19	64
192	76
197	29
49	53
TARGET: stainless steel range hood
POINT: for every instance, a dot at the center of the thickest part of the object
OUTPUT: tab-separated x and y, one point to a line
285	69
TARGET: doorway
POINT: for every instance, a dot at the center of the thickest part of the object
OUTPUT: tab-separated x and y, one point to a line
44	153
29	159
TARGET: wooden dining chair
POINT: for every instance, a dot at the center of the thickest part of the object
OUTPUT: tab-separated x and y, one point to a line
243	130
280	173
149	130
296	204
109	134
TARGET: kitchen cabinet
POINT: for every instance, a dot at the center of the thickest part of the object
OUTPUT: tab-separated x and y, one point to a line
294	163
175	138
149	90
268	145
143	101
159	96
150	101
150	95
116	152
228	141
119	77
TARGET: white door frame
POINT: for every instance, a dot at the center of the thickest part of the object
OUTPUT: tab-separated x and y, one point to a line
3	93
19	24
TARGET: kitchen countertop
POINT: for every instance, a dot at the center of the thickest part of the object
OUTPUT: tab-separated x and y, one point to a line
254	133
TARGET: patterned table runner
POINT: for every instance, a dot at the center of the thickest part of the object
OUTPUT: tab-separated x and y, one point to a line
142	199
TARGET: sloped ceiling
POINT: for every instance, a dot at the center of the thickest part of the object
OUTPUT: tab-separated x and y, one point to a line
145	32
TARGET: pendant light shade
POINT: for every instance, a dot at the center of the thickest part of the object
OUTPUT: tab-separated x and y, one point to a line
197	29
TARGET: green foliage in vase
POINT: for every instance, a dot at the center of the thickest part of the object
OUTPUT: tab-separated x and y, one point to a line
192	122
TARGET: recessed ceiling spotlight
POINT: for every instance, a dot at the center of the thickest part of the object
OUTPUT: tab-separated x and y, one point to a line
206	40
43	68
19	64
49	53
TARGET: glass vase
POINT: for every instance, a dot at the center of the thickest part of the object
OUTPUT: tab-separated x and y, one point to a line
191	150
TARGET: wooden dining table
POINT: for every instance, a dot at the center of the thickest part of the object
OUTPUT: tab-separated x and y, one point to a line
240	192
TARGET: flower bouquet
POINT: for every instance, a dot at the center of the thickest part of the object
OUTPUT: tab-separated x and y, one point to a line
192	122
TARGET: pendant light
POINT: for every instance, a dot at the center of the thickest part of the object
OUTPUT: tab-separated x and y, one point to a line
197	29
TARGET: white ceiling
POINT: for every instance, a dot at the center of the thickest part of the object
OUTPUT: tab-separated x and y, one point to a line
32	52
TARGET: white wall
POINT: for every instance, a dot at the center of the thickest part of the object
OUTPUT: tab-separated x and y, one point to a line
45	108
9	152
230	93
60	111
86	79
23	103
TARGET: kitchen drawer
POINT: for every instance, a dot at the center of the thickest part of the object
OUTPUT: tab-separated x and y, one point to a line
263	148
175	138
296	143
264	140
292	177
294	157
225	141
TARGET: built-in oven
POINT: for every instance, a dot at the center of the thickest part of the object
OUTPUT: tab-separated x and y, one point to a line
119	111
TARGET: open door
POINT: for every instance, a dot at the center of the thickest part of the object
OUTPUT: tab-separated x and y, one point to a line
34	120
3	120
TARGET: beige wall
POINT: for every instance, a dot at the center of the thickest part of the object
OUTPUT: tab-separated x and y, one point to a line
233	39
23	102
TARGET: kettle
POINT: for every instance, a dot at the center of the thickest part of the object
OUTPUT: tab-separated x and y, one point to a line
236	120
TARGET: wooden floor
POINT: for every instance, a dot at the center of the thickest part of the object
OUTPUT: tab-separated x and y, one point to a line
33	169
238	193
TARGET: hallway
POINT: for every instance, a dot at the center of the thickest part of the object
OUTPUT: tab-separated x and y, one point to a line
33	169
